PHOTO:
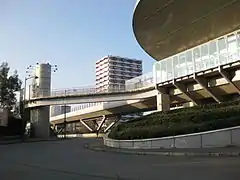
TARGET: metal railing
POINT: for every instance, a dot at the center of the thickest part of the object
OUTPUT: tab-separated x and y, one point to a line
143	81
139	82
85	106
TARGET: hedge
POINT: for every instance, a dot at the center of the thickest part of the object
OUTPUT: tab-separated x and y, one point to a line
15	127
180	121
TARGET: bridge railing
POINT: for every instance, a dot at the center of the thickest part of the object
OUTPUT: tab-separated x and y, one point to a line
77	91
136	83
85	106
143	81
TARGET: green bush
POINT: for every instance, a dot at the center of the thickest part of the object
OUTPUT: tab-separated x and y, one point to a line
180	121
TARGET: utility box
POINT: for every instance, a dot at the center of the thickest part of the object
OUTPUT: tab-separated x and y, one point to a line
3	117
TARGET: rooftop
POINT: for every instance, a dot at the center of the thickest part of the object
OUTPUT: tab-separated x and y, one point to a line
111	56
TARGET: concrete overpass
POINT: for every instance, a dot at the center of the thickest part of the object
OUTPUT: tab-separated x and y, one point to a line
107	108
217	86
180	92
109	112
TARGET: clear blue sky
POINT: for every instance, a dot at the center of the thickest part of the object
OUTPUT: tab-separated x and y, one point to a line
70	33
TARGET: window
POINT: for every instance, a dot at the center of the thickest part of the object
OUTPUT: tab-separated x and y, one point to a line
205	57
189	60
213	54
238	39
222	51
182	64
175	66
158	71
232	48
169	69
163	70
197	58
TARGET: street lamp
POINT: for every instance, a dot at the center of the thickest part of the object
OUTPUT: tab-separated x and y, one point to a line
54	68
29	70
25	86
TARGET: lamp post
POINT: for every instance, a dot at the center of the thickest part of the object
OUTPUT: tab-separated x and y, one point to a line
29	70
25	86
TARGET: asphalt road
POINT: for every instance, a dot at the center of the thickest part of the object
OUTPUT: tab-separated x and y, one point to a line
68	159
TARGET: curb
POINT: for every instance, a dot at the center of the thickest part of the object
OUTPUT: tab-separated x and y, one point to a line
170	153
20	141
10	142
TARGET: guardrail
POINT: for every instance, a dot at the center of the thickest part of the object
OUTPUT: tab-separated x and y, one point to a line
215	138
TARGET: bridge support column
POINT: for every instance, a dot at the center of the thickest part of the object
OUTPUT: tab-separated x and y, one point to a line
110	125
204	83
184	90
228	76
163	100
83	123
101	123
40	122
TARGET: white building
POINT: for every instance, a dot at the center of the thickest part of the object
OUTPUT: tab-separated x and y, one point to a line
113	71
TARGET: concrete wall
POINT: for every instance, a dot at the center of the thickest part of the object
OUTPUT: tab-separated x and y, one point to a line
40	122
217	138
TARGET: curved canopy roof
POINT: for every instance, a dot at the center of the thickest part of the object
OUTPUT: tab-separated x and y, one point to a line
167	27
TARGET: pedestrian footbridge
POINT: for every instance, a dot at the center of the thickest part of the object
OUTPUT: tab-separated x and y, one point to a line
178	91
216	84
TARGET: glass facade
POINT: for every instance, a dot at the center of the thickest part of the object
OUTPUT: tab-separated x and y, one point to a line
209	55
144	80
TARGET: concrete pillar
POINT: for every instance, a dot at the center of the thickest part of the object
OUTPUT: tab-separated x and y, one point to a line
163	102
40	122
41	88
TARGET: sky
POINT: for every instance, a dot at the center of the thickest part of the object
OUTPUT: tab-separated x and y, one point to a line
73	34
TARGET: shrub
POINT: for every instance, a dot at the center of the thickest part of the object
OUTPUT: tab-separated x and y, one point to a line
180	121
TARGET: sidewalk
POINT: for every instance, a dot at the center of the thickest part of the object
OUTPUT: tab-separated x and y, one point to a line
213	152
